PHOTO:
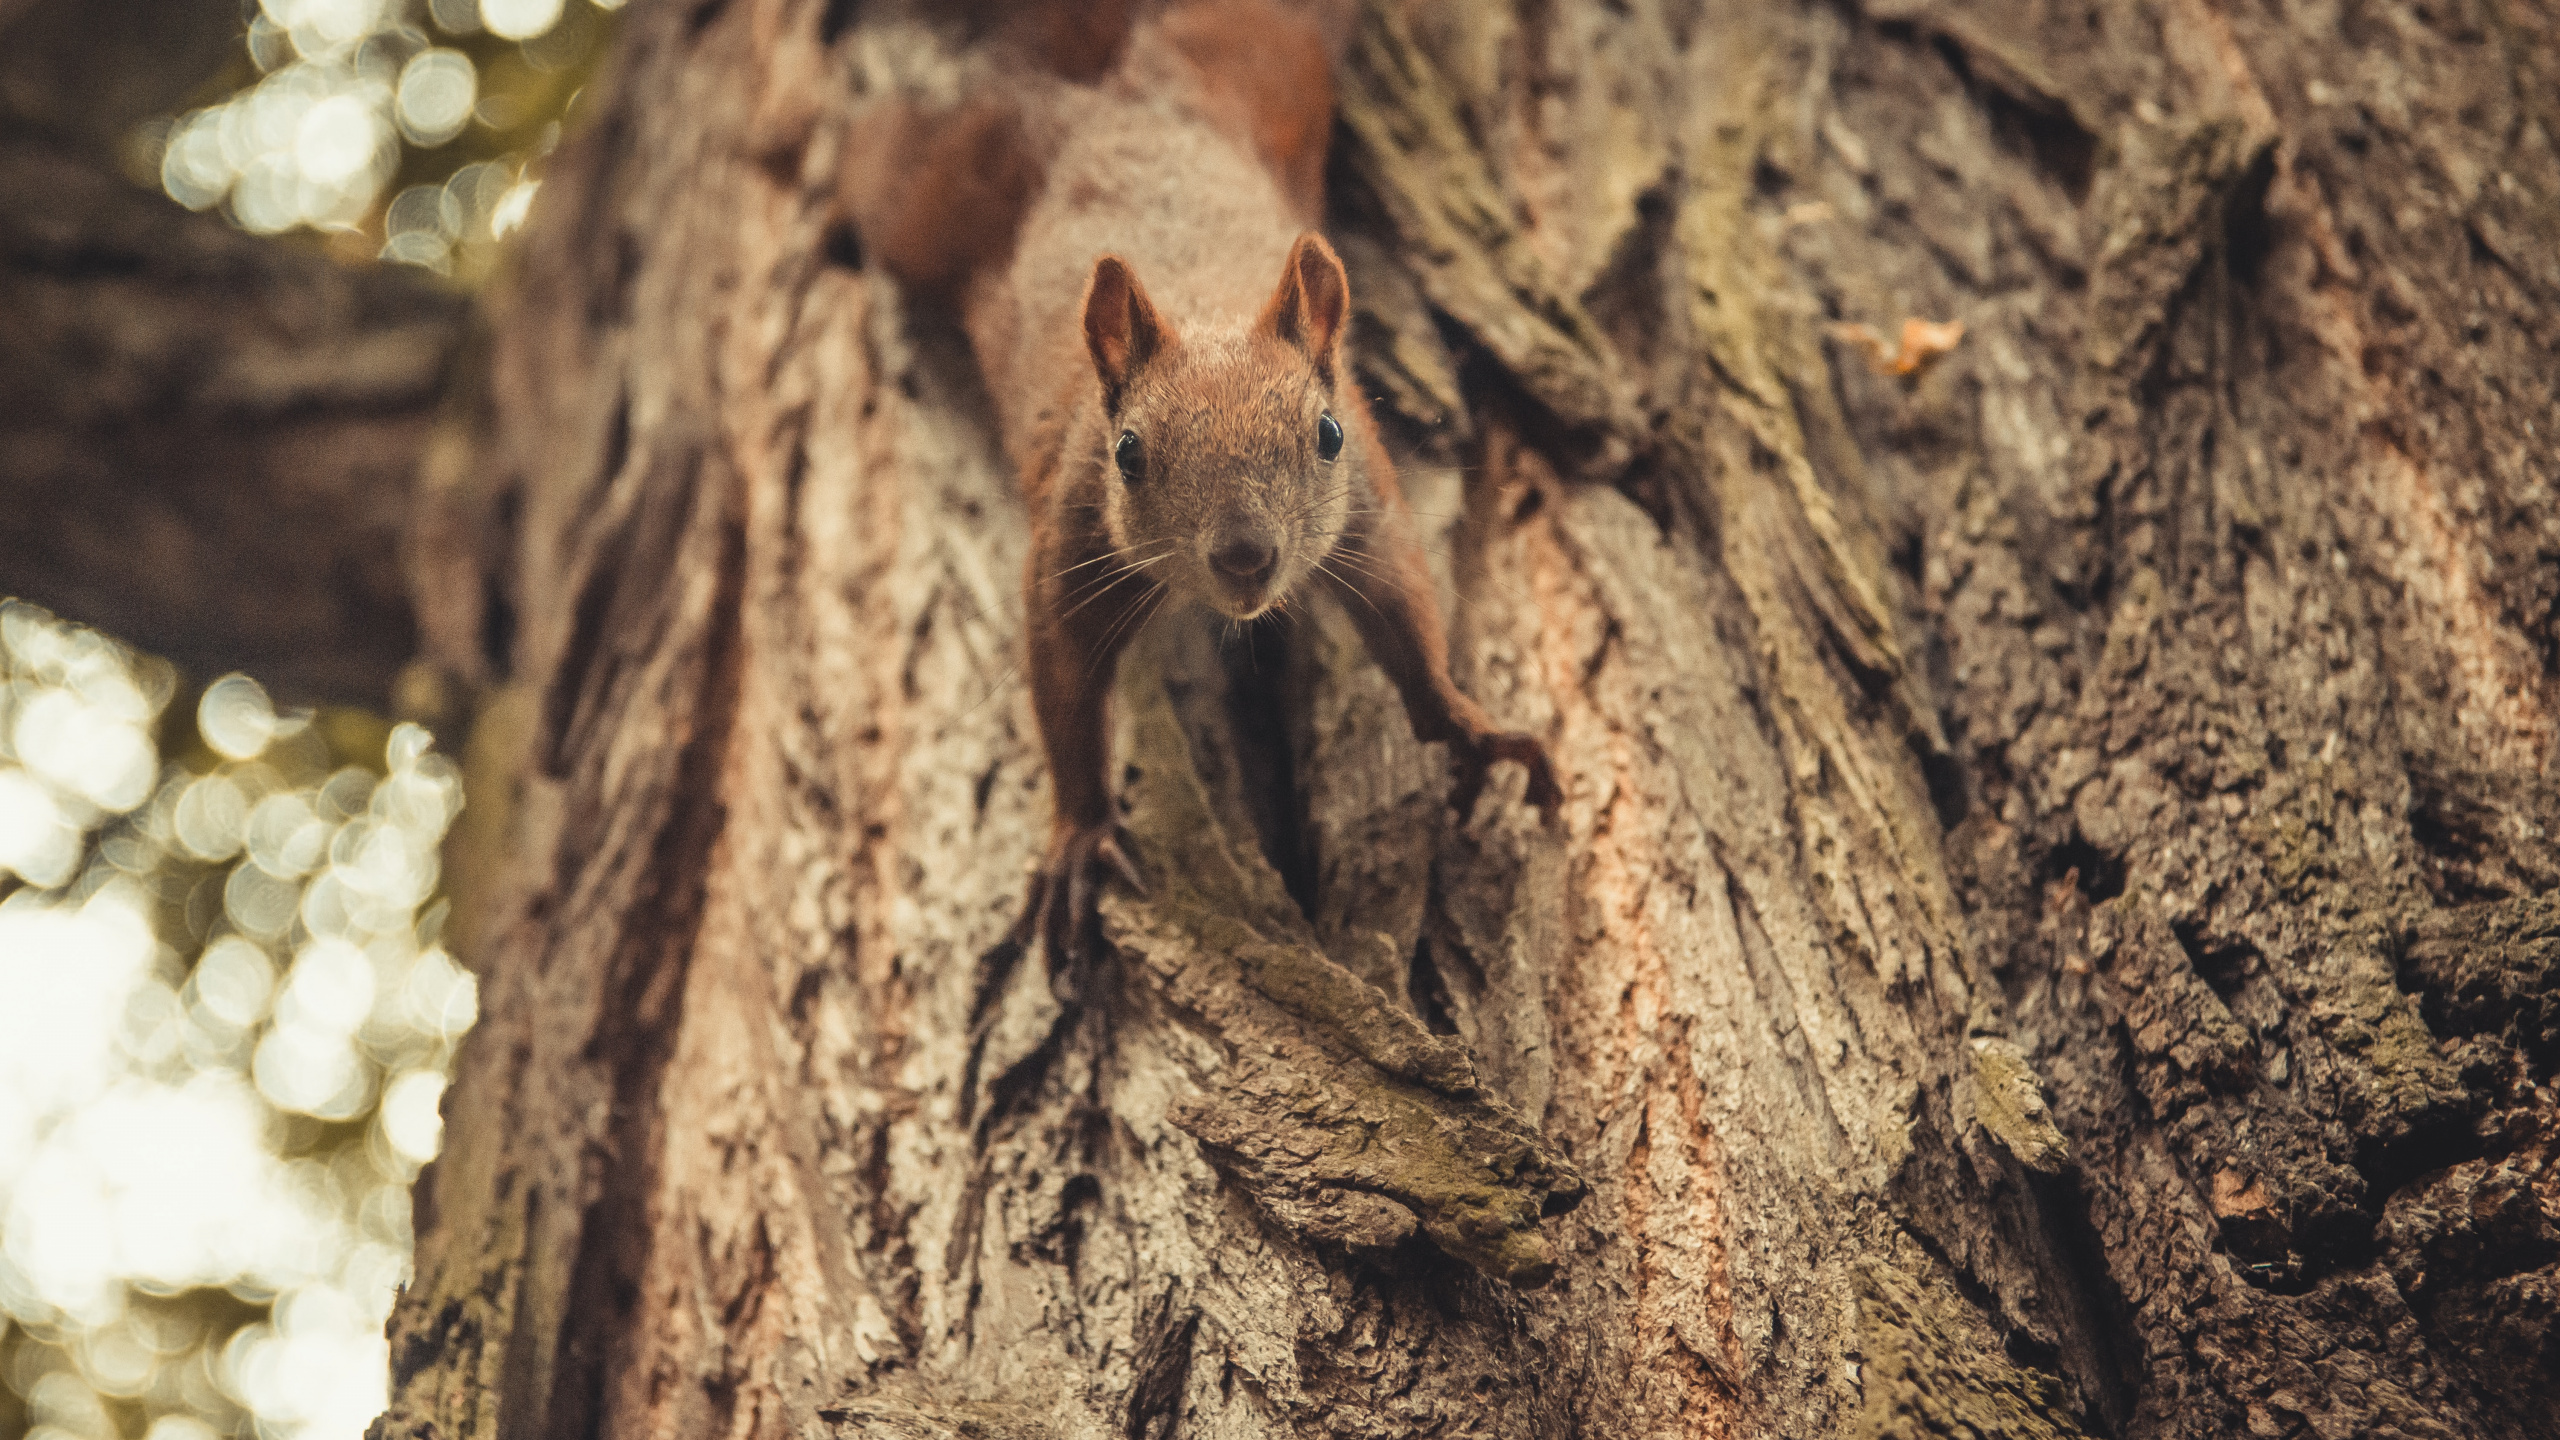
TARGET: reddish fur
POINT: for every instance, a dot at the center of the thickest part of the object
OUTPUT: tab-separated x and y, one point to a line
1264	76
1129	261
1075	39
939	197
1311	306
1121	330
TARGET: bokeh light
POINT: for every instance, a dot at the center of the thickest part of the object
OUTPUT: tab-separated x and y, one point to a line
437	88
345	111
519	19
225	1026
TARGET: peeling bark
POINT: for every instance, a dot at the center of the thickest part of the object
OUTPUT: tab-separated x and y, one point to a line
2051	930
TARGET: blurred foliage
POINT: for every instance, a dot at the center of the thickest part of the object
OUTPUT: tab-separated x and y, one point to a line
226	1017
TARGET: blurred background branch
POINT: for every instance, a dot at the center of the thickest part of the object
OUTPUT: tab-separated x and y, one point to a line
83	75
208	440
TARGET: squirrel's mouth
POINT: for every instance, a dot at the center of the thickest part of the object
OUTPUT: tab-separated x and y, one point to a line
1241	601
1244	572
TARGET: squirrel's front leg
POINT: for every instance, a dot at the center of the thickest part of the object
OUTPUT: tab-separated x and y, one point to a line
1389	600
1079	623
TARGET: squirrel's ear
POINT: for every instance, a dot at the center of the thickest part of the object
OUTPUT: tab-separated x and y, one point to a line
1312	303
1121	326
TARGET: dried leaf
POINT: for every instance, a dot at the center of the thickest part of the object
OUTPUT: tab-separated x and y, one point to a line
1922	341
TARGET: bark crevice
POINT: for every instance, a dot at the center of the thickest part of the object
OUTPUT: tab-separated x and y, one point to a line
2047	929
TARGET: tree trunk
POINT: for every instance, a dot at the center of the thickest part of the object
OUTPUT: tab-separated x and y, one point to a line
2053	931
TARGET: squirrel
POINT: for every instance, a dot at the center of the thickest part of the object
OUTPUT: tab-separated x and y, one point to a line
1194	434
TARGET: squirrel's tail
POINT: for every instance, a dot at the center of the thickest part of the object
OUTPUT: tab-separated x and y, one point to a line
937	191
937	194
1261	70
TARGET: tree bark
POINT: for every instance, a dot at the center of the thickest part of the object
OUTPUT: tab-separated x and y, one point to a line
209	442
2053	931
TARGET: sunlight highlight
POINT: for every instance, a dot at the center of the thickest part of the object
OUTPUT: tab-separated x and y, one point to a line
227	1028
346	89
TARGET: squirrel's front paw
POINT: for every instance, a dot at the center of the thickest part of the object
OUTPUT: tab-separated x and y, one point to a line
1472	756
1065	892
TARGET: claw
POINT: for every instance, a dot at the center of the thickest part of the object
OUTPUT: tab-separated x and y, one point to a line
1531	755
1027	925
1111	851
1470	783
1473	757
1080	901
1066	893
1065	948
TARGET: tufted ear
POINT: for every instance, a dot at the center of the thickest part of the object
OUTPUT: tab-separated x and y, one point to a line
1312	303
1121	327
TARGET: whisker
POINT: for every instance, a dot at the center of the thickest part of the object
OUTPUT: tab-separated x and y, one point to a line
1346	584
1105	585
1362	564
1086	585
1088	602
1377	566
1093	662
1132	618
1421	539
1096	560
1451	517
1010	673
1111	555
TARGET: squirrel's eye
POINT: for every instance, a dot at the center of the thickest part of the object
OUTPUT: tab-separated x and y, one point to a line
1129	455
1328	437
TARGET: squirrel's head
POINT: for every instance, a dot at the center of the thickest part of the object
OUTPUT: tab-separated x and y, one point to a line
1228	471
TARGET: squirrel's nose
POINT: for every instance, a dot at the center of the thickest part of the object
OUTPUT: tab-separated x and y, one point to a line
1245	557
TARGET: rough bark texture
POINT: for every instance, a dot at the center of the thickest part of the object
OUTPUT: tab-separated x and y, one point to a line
209	443
2053	931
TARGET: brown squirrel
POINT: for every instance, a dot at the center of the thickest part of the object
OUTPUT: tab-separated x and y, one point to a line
1193	436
